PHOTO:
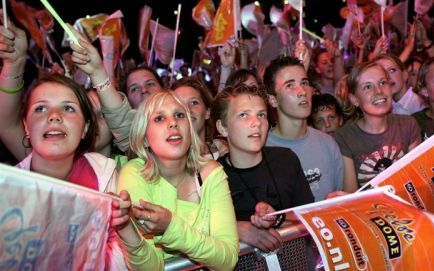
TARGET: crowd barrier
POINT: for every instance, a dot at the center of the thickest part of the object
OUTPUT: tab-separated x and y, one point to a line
294	255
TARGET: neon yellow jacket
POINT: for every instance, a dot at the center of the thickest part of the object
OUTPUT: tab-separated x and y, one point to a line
204	232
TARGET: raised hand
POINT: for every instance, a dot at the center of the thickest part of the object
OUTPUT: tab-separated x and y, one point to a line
227	55
87	58
13	44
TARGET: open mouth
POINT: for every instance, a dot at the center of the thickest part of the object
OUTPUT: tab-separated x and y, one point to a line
379	101
54	134
174	138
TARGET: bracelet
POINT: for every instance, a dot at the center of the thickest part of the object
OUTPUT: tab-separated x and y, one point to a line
12	77
103	85
12	90
279	221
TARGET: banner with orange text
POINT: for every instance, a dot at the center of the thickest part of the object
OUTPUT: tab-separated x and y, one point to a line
412	176
48	224
371	230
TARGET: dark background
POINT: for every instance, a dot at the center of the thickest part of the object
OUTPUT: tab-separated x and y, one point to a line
317	14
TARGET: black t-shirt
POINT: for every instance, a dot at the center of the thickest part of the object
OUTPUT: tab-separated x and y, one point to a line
290	185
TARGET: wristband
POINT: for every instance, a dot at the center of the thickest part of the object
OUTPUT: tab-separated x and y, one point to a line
279	221
103	85
12	90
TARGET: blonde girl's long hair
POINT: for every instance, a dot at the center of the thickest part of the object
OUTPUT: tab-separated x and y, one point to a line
138	141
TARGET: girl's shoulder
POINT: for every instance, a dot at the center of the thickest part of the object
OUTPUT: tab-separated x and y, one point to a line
209	167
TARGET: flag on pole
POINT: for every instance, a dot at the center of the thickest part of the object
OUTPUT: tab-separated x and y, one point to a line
25	14
281	19
163	42
252	19
400	17
144	25
203	13
114	41
223	27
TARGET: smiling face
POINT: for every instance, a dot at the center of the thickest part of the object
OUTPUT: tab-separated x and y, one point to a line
373	93
168	131
293	92
198	111
246	125
54	121
140	84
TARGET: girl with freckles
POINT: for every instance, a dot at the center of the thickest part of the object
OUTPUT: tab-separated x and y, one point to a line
186	208
379	138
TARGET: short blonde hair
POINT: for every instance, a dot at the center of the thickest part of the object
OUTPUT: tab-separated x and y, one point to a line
138	140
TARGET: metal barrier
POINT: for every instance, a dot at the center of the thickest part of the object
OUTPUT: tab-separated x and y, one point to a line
294	254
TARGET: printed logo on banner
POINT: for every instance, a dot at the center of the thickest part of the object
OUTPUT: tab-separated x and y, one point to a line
335	252
18	253
413	195
360	257
400	225
389	234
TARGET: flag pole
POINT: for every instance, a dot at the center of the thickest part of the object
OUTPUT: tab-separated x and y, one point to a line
382	21
5	16
172	63
153	42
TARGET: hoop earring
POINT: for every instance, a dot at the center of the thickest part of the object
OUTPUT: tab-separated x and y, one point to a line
26	142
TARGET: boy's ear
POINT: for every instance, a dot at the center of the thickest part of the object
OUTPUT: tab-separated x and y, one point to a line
272	100
221	128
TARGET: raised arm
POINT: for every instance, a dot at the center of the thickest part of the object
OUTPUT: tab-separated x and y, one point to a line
338	60
227	59
88	59
13	48
117	111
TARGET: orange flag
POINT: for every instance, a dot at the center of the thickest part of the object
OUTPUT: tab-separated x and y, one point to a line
223	28
203	13
26	16
90	26
114	40
144	24
368	231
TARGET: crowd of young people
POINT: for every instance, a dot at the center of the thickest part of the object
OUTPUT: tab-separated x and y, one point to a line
206	170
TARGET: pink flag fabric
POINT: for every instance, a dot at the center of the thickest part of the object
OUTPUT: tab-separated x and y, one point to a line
144	24
252	19
164	39
203	13
48	224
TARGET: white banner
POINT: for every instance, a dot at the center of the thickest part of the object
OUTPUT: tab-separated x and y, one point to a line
48	224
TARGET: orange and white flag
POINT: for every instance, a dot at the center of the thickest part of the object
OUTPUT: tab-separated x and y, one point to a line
203	13
372	230
223	28
412	176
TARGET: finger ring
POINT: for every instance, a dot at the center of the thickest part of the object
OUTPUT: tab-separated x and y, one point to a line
141	222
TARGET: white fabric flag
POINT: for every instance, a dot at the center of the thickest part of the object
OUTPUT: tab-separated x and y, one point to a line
48	224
